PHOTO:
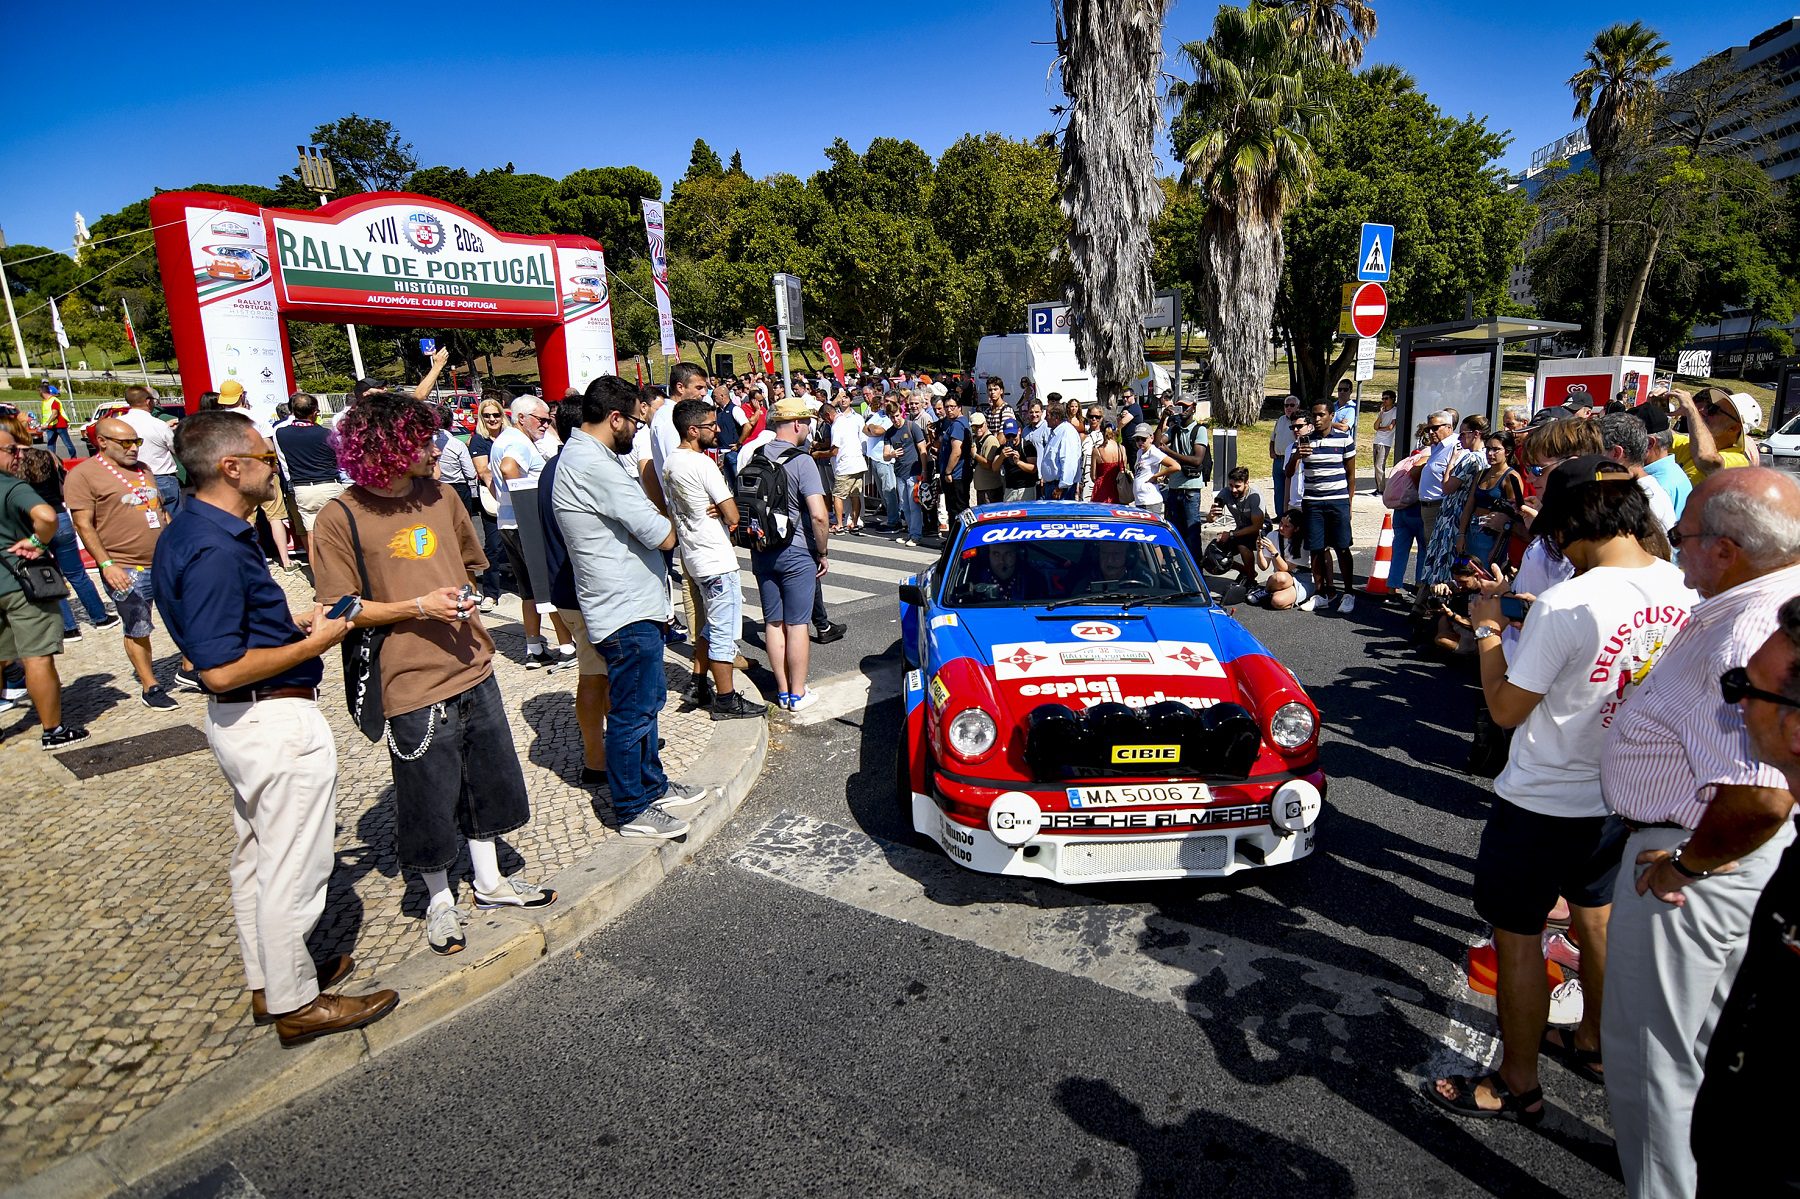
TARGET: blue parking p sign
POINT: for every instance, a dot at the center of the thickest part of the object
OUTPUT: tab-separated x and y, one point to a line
1375	260
428	345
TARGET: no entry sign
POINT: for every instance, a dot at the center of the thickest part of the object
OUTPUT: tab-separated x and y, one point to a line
1368	309
765	349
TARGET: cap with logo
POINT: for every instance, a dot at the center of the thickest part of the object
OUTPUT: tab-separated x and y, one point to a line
231	394
1009	427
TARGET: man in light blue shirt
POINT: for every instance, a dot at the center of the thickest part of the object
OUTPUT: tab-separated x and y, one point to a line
616	540
1060	465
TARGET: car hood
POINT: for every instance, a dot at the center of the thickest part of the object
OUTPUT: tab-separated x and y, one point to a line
1141	658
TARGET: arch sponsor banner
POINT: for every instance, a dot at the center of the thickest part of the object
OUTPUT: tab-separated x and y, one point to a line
586	314
238	314
410	258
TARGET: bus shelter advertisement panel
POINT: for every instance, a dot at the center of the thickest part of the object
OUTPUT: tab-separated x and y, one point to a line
410	259
238	318
586	314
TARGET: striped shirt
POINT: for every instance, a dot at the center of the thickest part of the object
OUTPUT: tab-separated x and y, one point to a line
1677	741
1323	472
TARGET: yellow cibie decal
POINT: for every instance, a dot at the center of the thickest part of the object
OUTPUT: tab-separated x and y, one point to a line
1146	753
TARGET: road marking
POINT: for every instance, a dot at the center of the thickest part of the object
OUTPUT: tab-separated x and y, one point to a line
1130	948
847	693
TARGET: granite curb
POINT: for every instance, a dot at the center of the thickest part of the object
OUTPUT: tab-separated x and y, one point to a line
503	946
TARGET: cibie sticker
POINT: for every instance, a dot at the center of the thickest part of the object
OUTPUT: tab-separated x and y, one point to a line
1039	659
1096	630
940	694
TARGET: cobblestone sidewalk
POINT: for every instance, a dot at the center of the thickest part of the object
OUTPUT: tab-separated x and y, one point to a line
120	980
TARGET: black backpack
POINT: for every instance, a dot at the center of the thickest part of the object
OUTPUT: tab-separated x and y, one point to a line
762	497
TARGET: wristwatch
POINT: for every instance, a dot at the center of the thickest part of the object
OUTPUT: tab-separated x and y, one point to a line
1483	632
1684	870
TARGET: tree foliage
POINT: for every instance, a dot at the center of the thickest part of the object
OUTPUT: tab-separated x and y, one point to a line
366	153
1399	159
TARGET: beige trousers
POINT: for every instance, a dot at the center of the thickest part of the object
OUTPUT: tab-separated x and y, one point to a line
311	499
281	761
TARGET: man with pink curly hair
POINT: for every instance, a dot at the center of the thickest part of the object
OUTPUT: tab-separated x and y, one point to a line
403	542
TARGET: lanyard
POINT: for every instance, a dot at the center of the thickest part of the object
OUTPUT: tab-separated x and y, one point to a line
144	491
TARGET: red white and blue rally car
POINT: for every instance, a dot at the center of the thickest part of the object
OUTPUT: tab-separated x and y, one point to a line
1079	708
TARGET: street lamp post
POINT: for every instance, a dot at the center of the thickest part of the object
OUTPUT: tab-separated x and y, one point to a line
317	176
12	317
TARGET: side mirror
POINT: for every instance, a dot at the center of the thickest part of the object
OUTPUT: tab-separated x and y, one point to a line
910	593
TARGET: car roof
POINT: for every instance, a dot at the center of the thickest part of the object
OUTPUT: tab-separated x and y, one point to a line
1064	510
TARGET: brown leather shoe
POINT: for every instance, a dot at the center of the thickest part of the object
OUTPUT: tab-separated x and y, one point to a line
333	1013
330	973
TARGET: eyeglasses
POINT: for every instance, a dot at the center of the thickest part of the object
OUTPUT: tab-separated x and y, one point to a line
1435	428
9	449
130	443
492	415
1735	686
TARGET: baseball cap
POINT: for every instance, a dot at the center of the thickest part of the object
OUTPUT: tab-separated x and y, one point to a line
231	394
1549	416
1749	412
939	390
49	389
790	409
1186	399
1654	416
1581	472
363	387
1009	427
1578	401
1142	431
977	418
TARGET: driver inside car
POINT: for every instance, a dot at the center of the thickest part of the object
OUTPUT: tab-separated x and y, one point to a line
1117	568
1002	574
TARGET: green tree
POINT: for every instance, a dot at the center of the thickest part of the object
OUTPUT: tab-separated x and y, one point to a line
366	153
1248	131
737	163
1615	93
703	162
1397	158
1337	29
602	203
1111	61
994	204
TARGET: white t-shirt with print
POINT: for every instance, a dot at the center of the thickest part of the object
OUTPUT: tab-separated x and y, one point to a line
847	442
515	445
1586	643
692	482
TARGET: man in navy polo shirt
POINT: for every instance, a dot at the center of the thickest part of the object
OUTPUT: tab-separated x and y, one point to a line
261	674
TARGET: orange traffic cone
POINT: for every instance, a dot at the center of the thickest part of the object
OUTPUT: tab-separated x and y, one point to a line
1384	556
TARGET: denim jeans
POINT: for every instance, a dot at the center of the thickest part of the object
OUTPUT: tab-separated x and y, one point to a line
889	487
909	506
637	689
1409	530
52	436
1182	508
68	560
168	489
456	776
496	556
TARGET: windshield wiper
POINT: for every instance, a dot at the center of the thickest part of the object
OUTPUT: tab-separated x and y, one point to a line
1172	596
1099	597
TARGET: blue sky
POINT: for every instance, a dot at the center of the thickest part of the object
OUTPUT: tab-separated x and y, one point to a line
183	92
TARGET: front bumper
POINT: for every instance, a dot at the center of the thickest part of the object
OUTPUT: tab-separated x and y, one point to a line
1209	851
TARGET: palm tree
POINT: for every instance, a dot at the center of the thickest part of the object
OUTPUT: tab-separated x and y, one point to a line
1111	64
1256	114
1616	94
1338	29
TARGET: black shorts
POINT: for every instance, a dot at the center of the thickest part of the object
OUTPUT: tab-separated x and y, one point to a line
1527	859
456	776
1327	524
515	558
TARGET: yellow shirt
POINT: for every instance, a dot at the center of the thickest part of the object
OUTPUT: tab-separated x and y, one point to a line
1684	458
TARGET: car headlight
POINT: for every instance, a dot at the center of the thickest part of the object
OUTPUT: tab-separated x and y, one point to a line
1292	725
971	732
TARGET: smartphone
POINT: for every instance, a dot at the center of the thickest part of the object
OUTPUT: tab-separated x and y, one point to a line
1514	607
345	609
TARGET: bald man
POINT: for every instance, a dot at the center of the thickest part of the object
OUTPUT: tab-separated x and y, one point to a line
119	514
1709	822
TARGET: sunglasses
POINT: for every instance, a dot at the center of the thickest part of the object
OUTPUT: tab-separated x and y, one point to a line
1735	686
130	443
1676	537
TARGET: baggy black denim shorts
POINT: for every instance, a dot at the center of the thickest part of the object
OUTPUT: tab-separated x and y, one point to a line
456	776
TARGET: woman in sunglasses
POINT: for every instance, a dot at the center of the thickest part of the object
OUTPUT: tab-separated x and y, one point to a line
490	422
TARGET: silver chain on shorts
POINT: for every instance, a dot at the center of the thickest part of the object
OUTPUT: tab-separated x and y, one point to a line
431	716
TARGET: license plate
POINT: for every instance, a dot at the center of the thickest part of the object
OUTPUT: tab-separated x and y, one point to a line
1136	795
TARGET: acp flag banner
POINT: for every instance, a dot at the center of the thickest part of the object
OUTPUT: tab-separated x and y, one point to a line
659	273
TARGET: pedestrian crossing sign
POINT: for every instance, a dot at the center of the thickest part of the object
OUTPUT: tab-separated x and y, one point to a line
1375	259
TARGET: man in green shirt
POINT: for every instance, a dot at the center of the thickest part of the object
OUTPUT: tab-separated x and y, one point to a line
30	630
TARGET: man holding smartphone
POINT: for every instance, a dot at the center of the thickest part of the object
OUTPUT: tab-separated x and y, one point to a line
260	669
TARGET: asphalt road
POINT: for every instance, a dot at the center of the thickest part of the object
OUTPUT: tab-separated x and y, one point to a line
824	1004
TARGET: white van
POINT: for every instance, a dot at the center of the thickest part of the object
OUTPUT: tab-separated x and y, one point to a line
1152	371
1047	359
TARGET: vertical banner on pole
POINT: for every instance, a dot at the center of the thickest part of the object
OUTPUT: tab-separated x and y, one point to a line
131	336
659	271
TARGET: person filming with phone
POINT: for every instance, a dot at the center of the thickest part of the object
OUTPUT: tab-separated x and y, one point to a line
260	669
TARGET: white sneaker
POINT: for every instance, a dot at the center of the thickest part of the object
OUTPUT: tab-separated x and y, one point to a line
1349	603
680	795
655	823
1310	604
488	604
803	701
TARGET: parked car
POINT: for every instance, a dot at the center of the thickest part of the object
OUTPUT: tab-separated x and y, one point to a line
169	410
1781	449
1079	708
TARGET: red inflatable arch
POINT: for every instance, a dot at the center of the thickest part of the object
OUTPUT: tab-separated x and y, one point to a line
234	274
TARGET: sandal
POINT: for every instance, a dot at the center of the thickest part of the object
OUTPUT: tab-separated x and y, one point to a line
1512	1107
1584	1063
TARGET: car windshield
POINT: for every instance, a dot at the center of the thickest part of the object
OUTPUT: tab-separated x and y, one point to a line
1036	573
1791	429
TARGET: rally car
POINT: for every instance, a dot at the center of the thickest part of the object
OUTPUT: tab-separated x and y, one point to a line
1079	708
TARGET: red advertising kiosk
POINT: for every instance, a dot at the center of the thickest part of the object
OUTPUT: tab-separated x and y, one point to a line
234	274
1600	379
